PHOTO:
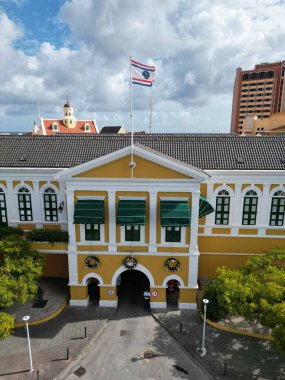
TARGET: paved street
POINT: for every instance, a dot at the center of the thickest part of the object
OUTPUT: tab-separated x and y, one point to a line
118	352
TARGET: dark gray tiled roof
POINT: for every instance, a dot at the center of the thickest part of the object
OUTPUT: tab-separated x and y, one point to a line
111	129
205	151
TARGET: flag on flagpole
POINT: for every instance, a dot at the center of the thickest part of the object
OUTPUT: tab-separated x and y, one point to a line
141	74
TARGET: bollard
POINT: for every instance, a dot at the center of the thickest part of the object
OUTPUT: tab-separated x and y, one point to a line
180	329
85	332
225	369
38	374
67	353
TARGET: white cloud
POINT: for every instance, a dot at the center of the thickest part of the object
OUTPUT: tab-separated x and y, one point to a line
196	47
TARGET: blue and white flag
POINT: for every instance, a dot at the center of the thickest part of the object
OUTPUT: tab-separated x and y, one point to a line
142	74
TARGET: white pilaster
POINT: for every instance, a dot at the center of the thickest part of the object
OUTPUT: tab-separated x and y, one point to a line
70	215
193	249
37	205
152	221
12	205
194	222
236	208
72	268
62	218
210	219
112	220
263	210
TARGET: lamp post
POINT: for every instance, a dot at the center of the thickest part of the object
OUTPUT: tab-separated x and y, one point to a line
203	349
26	319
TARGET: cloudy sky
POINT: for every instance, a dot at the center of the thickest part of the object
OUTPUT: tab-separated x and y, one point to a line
51	49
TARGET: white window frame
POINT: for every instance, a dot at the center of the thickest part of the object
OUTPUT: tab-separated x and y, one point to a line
231	210
182	242
92	242
271	196
128	242
259	196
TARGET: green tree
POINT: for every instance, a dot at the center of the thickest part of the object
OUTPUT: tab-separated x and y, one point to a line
6	325
20	270
254	291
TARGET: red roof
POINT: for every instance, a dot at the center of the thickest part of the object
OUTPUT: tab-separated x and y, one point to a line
79	127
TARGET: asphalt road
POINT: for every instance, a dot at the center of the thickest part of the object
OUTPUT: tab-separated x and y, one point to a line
118	351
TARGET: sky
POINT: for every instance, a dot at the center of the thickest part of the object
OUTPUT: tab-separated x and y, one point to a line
51	50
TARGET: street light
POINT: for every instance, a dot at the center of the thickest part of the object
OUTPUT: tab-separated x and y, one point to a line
203	349
26	319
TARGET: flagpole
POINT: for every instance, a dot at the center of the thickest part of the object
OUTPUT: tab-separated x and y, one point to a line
150	113
132	124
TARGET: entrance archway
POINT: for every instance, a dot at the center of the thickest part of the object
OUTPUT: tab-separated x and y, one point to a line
172	294
93	291
130	287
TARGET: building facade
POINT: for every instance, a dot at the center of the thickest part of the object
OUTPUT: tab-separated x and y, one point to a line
173	207
272	126
257	92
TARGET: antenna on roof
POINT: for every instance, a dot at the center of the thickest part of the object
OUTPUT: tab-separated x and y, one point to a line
39	110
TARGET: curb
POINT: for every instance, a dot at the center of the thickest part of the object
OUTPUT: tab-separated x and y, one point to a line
194	357
238	331
45	319
74	363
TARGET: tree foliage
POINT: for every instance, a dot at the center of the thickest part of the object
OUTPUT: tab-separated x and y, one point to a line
254	291
6	325
20	269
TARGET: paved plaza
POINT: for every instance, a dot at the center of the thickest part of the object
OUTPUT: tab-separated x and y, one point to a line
245	357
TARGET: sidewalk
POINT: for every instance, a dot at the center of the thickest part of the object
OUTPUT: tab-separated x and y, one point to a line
247	358
50	340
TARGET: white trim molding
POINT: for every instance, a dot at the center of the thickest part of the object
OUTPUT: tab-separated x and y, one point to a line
79	302
92	275
186	305
173	277
140	268
158	305
105	303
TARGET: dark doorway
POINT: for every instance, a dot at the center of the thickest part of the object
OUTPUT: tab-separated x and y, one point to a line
93	291
132	285
172	294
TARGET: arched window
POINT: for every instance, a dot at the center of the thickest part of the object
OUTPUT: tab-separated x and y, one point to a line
3	209
277	209
250	208
222	207
25	204
50	205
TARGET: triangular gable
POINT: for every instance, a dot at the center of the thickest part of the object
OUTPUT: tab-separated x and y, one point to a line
150	164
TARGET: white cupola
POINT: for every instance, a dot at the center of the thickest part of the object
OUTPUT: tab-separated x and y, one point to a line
68	116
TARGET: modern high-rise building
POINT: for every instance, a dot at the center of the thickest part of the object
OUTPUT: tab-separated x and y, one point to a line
258	92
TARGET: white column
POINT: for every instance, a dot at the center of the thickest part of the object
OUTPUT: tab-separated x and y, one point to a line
112	220
263	210
62	198
236	208
152	221
194	222
37	205
71	225
12	205
193	249
210	219
72	269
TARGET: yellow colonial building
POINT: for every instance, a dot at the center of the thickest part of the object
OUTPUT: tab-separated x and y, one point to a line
173	207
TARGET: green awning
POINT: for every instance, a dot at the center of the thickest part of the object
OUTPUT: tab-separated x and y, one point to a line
131	212
89	211
204	207
174	213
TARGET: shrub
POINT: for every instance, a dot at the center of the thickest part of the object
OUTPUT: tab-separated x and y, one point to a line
50	236
6	325
215	311
8	231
